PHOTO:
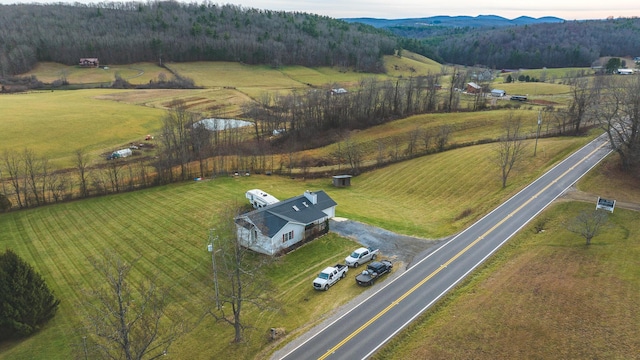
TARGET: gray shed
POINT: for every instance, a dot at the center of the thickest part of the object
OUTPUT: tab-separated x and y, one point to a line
342	180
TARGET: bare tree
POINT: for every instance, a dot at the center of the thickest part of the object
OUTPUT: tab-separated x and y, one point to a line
353	153
412	141
582	98
114	173
176	126
427	139
129	320
442	137
15	171
238	279
619	114
458	78
381	147
510	149
588	224
82	164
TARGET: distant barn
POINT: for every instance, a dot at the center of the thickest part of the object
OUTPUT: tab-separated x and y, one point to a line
342	180
473	88
89	62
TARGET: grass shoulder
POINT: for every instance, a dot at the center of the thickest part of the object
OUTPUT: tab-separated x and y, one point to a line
543	295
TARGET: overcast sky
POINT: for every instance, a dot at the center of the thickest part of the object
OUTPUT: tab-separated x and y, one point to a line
396	9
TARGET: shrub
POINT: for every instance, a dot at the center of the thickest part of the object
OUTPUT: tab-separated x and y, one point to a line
26	302
5	203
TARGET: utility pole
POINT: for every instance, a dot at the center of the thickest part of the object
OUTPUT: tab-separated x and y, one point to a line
535	148
212	238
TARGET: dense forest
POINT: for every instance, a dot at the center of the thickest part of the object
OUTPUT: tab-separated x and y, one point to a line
160	31
567	44
124	33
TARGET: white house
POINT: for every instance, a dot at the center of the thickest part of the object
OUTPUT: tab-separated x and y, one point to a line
282	226
498	93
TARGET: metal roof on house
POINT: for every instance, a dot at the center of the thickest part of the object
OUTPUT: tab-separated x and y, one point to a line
299	209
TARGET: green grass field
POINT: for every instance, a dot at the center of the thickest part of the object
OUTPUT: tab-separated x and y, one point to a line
55	124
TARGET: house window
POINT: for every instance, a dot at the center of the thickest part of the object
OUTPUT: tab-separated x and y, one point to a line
287	236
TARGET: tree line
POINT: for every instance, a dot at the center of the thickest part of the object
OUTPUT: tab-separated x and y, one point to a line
567	44
161	31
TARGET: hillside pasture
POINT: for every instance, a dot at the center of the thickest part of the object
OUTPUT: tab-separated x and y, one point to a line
532	88
410	65
466	127
234	75
429	197
140	73
56	123
211	102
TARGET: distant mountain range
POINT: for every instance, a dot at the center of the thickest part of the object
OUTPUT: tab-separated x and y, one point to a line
455	21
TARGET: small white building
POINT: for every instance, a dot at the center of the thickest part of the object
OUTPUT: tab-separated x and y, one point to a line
498	93
287	224
122	153
625	71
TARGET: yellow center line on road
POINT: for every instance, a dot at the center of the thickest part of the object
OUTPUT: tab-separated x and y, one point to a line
456	256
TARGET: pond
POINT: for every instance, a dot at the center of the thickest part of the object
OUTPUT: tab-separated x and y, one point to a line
215	124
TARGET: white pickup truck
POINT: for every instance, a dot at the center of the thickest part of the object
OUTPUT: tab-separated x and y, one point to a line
361	256
329	276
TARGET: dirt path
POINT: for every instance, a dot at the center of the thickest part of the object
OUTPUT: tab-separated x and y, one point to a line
574	194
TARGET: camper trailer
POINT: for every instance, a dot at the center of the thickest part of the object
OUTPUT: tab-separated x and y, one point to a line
259	198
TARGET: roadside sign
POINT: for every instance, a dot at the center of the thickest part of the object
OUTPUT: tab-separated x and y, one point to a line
605	204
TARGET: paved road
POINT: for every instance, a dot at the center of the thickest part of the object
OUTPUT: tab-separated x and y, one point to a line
363	329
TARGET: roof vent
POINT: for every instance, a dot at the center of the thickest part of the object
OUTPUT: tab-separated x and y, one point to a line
305	204
295	208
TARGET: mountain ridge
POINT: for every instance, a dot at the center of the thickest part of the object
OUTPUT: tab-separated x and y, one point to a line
455	21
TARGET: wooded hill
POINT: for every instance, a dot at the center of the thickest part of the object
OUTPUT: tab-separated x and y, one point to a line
567	44
125	33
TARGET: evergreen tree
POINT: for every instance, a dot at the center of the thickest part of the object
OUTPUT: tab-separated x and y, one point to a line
5	203
26	302
613	65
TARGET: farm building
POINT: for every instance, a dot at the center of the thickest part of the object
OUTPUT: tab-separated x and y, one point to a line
287	224
498	93
625	71
342	180
89	62
473	88
483	75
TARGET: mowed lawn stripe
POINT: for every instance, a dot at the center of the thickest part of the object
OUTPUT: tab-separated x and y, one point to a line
142	239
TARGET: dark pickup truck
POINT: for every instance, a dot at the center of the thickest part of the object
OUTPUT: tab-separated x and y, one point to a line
374	271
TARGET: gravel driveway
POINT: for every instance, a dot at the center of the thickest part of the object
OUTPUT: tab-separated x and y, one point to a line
402	250
396	247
